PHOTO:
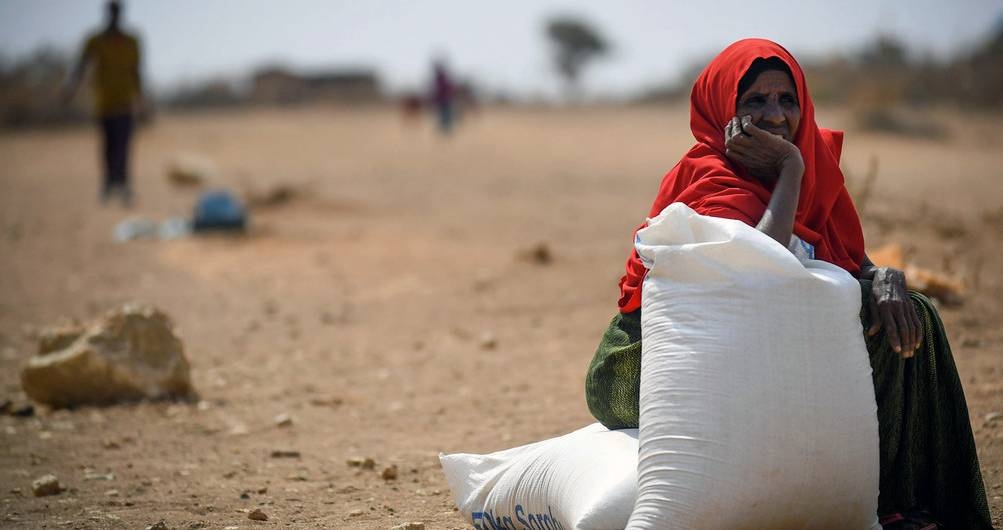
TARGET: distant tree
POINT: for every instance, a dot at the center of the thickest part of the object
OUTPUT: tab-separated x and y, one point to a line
885	52
575	43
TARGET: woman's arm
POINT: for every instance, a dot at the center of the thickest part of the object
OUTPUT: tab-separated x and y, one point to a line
892	308
772	160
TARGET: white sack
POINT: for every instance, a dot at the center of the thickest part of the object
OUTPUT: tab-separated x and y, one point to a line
585	480
757	406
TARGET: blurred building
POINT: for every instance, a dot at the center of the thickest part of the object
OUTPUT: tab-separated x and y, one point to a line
279	85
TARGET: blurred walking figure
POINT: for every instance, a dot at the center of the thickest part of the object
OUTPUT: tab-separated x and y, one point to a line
443	96
114	58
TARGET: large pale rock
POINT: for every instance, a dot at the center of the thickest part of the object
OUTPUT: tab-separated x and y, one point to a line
131	353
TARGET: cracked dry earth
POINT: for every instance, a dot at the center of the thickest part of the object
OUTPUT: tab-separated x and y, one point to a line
395	304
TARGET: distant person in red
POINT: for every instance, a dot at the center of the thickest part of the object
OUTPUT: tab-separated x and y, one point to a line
114	58
443	97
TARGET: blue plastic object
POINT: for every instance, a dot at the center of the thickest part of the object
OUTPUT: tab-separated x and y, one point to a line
219	210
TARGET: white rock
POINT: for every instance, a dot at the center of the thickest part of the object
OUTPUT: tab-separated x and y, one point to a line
131	353
46	485
283	420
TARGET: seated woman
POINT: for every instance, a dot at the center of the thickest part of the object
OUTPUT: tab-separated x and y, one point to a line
760	158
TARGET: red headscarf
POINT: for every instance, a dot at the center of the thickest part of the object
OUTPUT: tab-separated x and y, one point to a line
711	184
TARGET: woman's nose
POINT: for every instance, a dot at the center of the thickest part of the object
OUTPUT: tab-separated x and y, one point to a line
773	114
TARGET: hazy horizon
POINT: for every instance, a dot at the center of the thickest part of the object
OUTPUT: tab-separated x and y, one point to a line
499	47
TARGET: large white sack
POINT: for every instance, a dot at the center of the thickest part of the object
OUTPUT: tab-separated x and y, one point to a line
757	407
585	480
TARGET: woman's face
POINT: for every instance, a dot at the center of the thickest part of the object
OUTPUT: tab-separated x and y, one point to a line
772	103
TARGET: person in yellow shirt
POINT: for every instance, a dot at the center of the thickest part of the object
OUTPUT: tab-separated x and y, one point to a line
114	57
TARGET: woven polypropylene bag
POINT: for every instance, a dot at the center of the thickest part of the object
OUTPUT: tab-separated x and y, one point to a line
585	480
757	407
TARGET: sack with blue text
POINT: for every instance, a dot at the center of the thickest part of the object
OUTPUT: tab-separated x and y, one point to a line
585	480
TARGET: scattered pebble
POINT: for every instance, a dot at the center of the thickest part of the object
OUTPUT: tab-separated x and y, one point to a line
326	402
112	493
285	453
90	474
488	341
356	513
992	417
389	473
539	254
46	485
257	515
159	525
410	526
283	420
364	463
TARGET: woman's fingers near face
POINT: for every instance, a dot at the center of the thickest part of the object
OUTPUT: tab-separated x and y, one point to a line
733	129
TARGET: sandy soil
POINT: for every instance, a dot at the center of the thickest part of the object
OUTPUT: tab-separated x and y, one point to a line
389	305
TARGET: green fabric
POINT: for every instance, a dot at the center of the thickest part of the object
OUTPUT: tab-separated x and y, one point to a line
928	457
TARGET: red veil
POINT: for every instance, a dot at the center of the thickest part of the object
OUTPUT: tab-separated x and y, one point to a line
705	180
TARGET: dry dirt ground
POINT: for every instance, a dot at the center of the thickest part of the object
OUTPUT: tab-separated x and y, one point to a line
392	307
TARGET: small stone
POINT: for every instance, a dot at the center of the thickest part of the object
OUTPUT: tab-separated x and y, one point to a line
23	411
15	491
410	526
389	473
244	495
257	515
285	453
90	474
262	491
488	341
539	254
108	443
46	485
364	463
992	417
356	513
112	493
326	402
283	420
159	525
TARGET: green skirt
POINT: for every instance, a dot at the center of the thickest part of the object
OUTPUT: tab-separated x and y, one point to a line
928	458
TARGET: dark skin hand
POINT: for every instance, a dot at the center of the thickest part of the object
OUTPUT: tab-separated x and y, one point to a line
759	138
892	309
774	161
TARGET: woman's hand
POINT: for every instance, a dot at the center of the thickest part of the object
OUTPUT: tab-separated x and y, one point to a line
763	154
892	309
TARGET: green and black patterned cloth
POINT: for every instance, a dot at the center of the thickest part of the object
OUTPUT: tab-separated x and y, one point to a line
928	457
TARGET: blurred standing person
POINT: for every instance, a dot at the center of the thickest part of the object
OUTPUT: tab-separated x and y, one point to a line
114	58
443	96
